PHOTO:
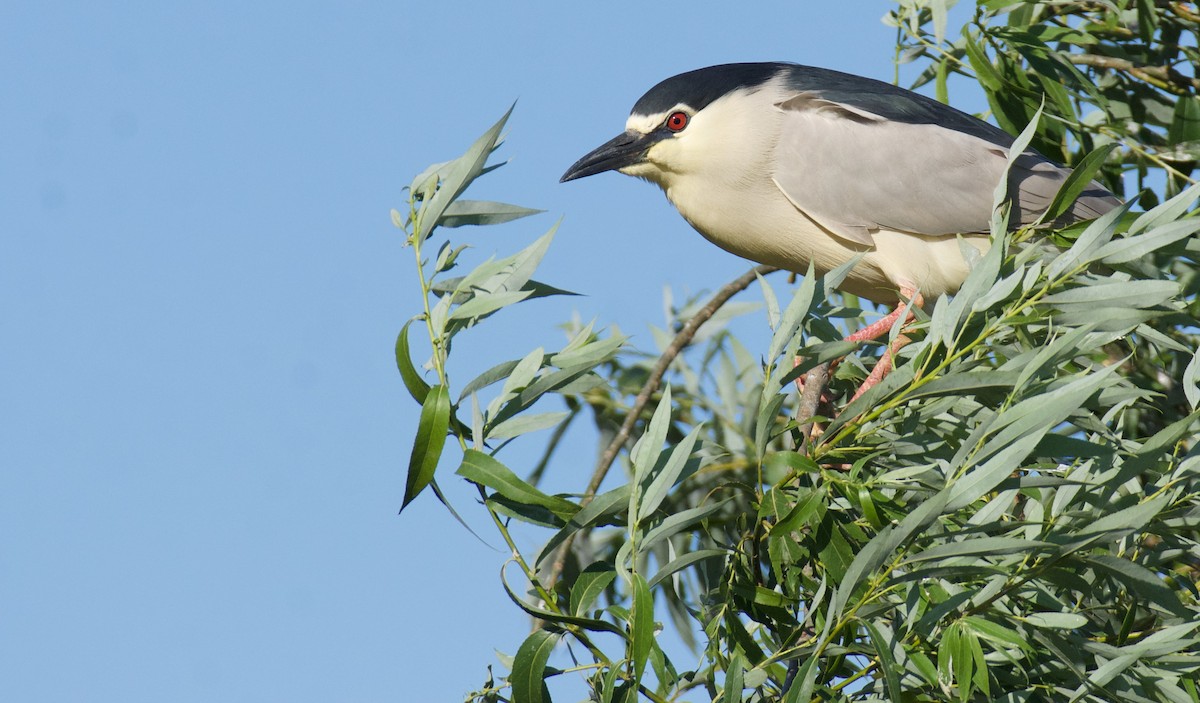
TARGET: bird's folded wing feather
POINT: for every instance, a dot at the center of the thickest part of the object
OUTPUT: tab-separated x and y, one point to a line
856	171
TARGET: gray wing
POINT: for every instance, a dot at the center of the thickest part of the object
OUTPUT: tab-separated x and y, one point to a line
856	171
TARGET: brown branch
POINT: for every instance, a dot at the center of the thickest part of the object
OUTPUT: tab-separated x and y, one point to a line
682	339
677	345
814	385
1164	77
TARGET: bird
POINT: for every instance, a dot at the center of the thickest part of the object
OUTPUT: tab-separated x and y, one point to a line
791	165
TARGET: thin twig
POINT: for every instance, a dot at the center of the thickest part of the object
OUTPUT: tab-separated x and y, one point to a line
682	339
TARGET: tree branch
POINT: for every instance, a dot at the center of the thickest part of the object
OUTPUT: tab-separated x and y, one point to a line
682	339
1164	77
677	345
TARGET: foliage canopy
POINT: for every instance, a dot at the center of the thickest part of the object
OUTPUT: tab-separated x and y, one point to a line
1011	515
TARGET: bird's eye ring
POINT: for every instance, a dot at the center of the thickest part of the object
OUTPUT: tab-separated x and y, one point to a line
677	121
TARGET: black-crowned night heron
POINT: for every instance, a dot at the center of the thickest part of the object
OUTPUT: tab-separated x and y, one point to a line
786	165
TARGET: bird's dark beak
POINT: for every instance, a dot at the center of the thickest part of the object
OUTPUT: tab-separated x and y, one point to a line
626	149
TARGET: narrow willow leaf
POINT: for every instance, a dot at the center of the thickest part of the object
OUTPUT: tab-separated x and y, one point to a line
1128	293
529	667
1120	251
1080	178
524	372
996	632
1000	196
487	471
1149	587
459	174
802	686
553	617
592	353
793	315
667	476
589	585
1093	238
427	448
482	212
1058	621
988	546
882	545
887	661
773	315
485	304
962	383
809	506
1112	525
734	681
1191	381
641	625
524	424
647	449
417	387
498	372
602	506
673	524
1166	212
682	562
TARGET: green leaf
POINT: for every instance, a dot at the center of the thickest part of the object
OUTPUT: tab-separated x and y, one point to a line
417	387
484	304
524	424
427	448
1078	181
1058	621
1166	212
682	562
673	524
1090	241
592	354
1191	381
1126	249
498	372
1148	586
734	681
459	174
996	633
665	478
808	507
648	446
591	583
986	546
529	667
964	383
887	661
602	506
806	679
793	315
482	212
554	617
486	471
1139	294
641	625
883	545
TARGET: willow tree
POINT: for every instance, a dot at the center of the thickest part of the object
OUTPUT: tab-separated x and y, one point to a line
1011	515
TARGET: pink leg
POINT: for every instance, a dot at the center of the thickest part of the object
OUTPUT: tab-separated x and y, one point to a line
873	331
882	367
879	328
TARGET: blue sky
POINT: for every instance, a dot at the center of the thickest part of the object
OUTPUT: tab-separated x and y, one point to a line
204	436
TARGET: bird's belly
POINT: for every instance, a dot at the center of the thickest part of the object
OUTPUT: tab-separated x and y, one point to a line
772	231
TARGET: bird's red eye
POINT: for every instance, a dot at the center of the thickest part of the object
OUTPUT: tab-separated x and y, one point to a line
677	121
